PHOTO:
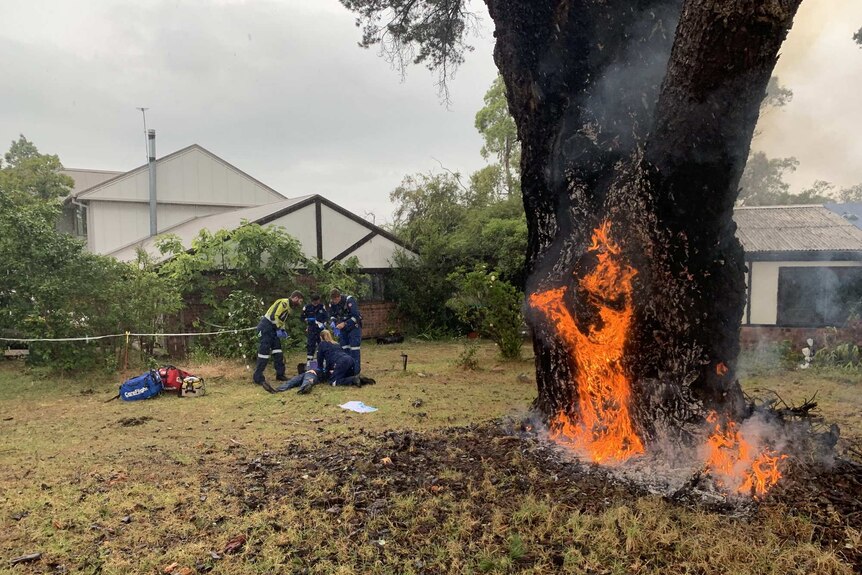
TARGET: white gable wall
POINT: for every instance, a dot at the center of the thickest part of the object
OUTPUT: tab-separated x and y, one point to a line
302	226
376	253
339	232
112	225
190	177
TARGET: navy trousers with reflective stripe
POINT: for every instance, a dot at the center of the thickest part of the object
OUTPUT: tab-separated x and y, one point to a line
270	346
350	342
312	338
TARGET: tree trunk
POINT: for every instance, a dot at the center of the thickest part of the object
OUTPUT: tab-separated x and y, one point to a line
632	130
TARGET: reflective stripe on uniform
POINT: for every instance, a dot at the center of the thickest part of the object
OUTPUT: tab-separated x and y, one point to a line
261	356
276	351
345	347
353	348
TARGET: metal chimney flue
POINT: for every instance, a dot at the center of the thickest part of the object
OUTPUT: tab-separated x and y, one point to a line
151	161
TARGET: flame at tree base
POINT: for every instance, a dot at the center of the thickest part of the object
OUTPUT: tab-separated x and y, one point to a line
736	465
601	429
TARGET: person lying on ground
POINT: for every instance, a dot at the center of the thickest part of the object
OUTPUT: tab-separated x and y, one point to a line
304	381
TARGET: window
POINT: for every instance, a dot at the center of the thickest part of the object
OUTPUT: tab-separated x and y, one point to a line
817	296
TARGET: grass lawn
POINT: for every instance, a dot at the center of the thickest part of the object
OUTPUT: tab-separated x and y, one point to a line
241	481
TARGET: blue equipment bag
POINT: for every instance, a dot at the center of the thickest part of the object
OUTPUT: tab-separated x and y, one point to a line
141	387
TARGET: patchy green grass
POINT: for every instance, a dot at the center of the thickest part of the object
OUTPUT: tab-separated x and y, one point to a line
138	487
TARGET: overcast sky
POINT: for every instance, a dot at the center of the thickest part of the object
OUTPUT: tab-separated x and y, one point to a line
280	89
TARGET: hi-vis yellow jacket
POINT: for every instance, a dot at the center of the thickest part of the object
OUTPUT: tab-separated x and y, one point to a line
278	312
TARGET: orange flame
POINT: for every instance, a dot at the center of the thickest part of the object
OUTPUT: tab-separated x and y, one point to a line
604	431
733	463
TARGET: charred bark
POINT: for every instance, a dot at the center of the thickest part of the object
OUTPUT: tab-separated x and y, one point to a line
583	78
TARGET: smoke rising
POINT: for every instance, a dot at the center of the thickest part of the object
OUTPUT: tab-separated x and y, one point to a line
822	65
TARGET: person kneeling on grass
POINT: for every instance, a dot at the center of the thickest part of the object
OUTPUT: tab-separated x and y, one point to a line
304	381
335	362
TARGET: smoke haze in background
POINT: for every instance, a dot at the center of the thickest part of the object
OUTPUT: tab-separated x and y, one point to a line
821	126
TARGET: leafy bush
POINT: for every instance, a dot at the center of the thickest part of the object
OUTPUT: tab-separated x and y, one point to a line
491	307
844	355
420	288
240	310
467	358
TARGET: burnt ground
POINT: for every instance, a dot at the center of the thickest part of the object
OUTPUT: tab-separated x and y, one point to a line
492	469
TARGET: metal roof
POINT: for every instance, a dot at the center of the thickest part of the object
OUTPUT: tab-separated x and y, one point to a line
85	179
810	228
851	211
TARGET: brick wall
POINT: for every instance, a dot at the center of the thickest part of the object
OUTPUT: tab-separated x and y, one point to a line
378	318
751	336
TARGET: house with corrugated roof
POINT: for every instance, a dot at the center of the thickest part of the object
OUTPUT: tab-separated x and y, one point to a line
803	263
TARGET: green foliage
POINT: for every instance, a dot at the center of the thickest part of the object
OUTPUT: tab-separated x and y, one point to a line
247	256
29	175
428	206
762	182
52	287
343	275
420	287
254	265
429	32
238	311
844	355
491	307
500	134
776	95
851	194
467	358
451	226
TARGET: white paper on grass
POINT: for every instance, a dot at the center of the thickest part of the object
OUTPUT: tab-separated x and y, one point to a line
358	407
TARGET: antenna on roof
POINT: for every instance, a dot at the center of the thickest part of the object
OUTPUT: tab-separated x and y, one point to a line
146	141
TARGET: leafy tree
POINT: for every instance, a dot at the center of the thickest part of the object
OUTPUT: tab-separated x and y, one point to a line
343	275
777	96
420	287
240	258
498	129
851	194
858	37
52	287
819	193
762	182
428	206
33	175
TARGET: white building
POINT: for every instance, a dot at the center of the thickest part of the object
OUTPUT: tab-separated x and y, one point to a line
800	260
197	190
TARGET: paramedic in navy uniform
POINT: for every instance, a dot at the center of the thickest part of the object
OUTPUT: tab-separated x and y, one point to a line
315	316
345	311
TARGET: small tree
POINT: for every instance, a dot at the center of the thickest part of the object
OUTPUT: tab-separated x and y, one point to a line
491	307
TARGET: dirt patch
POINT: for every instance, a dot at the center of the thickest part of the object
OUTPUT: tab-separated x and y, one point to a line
133	421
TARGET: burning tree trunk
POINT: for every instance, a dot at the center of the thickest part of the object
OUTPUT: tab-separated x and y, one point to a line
619	166
635	118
